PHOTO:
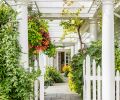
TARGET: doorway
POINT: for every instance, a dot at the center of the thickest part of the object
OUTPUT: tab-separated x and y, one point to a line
63	59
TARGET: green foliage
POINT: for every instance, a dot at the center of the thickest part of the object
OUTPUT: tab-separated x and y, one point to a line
35	26
39	39
3	96
34	37
76	74
6	13
38	36
51	50
72	25
52	76
44	24
15	82
66	69
95	51
117	59
19	84
48	81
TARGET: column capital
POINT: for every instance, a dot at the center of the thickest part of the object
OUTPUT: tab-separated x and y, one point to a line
93	28
93	20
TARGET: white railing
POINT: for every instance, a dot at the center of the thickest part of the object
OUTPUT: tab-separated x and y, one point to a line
92	74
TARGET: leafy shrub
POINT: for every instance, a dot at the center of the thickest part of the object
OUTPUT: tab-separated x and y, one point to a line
51	50
95	51
48	81
3	96
76	74
53	76
15	82
66	69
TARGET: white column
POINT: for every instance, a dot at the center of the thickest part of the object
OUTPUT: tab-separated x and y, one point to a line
108	67
47	60
93	28
51	61
42	62
23	30
72	51
76	48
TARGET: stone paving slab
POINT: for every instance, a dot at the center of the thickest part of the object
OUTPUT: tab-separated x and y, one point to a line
60	91
62	97
59	88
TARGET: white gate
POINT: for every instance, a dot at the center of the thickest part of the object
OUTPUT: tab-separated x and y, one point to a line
92	74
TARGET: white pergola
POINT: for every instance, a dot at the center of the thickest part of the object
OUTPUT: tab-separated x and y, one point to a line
51	9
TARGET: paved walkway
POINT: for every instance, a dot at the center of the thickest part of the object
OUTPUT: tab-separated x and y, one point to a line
60	91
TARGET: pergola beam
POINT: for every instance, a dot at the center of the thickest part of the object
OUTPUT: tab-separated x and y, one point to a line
55	11
60	16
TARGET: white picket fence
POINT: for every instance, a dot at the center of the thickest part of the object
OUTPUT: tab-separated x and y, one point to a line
39	82
92	75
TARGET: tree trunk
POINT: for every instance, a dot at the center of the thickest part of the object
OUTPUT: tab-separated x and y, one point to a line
80	38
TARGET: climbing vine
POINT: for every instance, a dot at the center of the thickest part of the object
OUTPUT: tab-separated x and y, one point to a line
73	24
15	82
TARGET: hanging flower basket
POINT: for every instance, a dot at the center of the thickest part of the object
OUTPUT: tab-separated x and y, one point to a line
38	36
